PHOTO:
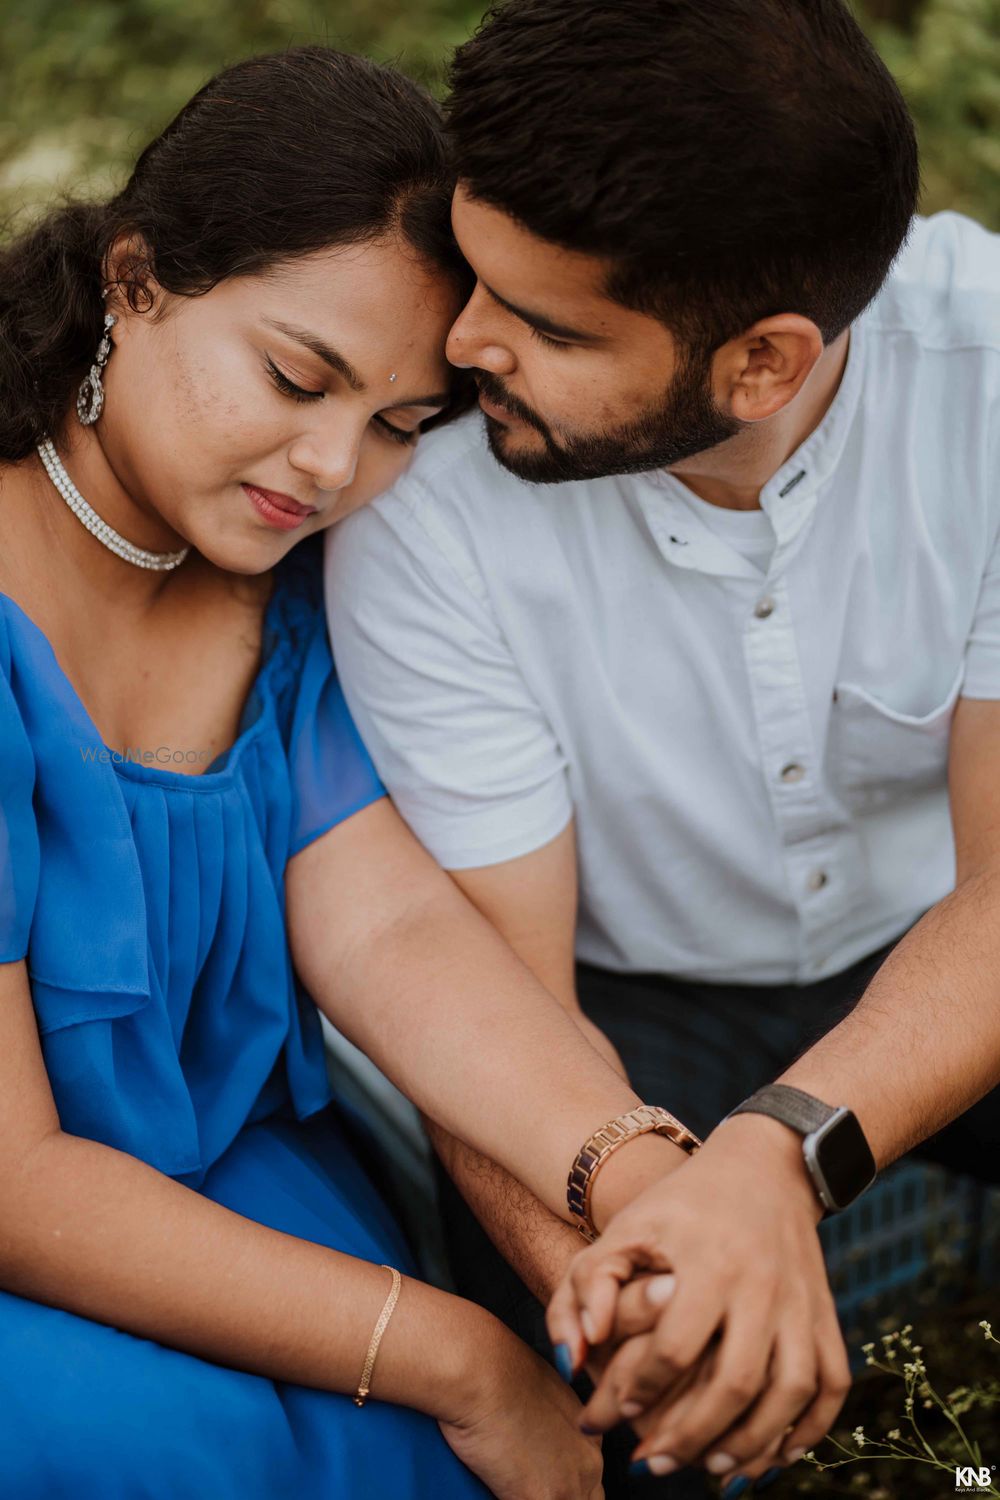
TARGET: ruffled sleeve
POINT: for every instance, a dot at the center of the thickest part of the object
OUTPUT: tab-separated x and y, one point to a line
332	772
19	846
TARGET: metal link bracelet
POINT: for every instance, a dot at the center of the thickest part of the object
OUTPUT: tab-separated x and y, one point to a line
604	1142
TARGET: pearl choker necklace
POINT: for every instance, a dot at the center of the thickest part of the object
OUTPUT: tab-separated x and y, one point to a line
161	562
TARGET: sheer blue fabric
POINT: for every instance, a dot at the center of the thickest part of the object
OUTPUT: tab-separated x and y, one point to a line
149	906
149	903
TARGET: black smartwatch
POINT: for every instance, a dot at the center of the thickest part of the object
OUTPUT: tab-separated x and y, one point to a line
837	1156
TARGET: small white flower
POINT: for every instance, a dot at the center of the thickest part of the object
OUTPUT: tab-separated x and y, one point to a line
894	1436
859	1436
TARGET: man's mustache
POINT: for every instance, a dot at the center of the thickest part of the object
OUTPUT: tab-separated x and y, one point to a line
493	389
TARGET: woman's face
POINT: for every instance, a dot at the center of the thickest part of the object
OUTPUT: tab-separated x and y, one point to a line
276	404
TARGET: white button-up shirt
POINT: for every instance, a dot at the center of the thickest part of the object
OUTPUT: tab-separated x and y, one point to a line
754	750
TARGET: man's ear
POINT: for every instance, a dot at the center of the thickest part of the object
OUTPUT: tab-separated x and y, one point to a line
761	371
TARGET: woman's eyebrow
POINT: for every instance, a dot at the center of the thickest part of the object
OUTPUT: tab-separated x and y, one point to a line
344	367
322	351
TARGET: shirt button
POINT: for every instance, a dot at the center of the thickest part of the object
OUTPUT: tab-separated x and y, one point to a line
817	880
792	772
764	607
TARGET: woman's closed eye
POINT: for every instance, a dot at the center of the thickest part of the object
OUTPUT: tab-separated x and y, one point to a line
299	393
288	387
395	434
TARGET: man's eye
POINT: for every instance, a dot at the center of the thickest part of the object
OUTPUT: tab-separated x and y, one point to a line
544	338
288	387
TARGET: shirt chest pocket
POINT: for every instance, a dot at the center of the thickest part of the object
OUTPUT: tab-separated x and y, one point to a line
877	755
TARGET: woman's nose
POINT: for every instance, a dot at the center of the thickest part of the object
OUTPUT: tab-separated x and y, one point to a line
331	463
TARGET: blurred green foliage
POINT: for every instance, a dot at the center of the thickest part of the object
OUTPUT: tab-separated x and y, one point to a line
945	55
85	85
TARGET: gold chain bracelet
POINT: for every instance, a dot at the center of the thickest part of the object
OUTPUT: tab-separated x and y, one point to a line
380	1327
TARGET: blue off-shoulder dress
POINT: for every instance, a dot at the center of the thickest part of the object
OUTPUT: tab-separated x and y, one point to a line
149	905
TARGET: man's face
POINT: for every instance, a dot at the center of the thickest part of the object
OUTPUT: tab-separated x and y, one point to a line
572	384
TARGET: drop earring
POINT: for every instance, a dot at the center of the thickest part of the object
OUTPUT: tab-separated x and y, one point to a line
90	396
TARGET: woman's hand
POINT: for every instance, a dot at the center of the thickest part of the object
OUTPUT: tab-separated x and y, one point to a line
519	1427
737	1227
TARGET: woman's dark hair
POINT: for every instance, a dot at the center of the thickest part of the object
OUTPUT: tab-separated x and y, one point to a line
730	159
275	157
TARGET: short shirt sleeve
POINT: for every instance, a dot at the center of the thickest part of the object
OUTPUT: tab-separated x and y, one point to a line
331	771
19	846
982	654
464	748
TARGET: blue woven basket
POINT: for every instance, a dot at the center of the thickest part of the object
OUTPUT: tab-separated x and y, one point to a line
917	1222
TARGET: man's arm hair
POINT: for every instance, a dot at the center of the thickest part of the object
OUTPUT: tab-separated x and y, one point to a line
528	1236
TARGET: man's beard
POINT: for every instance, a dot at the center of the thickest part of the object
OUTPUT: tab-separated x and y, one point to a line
685	422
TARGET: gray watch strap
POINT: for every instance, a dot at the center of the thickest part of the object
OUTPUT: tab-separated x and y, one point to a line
791	1106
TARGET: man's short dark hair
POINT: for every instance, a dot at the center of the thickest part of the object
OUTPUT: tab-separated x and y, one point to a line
731	159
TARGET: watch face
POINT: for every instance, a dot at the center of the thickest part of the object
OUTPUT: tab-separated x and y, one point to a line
844	1158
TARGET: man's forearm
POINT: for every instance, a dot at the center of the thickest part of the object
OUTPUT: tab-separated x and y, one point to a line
533	1240
923	1043
530	1238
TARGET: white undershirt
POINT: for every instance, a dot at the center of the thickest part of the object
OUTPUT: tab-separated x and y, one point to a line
748	532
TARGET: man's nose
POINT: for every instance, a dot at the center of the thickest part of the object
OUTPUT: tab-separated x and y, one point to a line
472	342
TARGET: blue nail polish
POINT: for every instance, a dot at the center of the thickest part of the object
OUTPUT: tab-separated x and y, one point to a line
564	1361
736	1487
768	1478
639	1468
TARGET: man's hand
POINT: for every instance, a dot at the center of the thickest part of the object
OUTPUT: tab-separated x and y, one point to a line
736	1225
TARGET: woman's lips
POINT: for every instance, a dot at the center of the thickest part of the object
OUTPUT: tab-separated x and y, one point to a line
278	509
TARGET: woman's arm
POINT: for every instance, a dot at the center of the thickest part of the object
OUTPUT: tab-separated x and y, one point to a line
92	1230
411	972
